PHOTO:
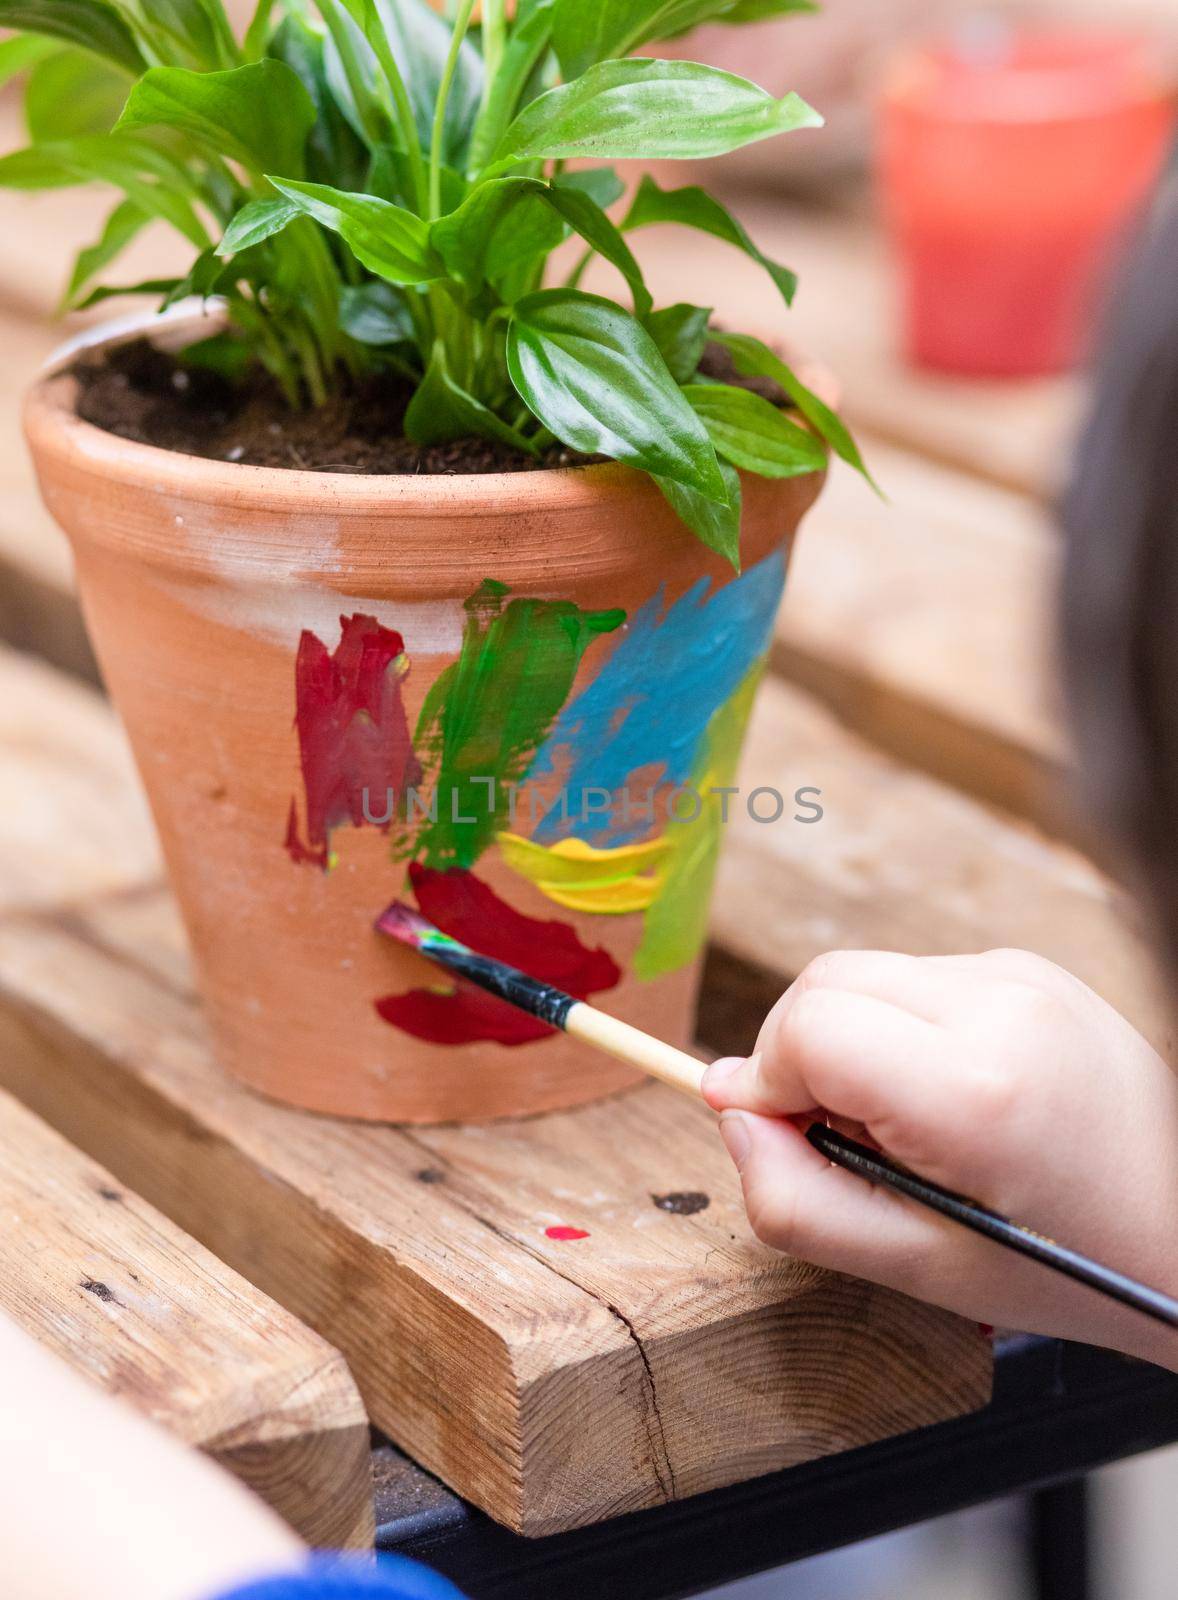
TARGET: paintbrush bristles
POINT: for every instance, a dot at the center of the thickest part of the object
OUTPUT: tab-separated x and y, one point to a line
540	1000
403	923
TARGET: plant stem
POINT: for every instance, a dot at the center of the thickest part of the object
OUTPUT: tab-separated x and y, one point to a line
406	120
573	281
494	38
230	51
337	26
271	351
256	33
461	25
322	288
313	375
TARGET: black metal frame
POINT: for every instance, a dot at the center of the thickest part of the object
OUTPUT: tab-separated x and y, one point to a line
1059	1411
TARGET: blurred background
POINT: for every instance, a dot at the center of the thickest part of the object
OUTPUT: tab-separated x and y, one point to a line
955	230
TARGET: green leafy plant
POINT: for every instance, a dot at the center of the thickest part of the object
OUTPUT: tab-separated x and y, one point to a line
369	185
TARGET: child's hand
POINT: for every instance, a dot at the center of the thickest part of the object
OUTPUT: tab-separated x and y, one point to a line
1000	1076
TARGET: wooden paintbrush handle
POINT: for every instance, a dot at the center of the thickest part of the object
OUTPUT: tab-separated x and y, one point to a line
652	1056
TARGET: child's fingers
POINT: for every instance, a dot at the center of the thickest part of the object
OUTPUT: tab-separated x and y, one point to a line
847	1053
799	1203
931	987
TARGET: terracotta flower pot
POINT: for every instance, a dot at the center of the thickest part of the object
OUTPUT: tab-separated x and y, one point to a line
520	662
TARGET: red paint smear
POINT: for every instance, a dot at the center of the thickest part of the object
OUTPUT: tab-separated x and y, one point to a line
353	731
564	1235
457	903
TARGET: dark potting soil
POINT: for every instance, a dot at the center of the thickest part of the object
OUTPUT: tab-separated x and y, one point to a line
142	393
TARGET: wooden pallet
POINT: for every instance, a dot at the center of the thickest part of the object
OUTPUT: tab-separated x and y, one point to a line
479	1344
921	620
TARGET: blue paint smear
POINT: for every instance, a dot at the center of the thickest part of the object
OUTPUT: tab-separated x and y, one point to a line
653	699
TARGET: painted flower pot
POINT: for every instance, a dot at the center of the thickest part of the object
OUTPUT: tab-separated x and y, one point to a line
505	698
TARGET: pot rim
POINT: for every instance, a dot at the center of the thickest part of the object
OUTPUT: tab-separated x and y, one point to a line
51	424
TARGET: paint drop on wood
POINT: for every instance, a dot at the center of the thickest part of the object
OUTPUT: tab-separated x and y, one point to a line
101	1291
682	1204
564	1235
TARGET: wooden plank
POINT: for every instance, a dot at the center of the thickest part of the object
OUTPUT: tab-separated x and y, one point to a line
845	316
65	754
38	610
900	862
479	1344
139	1308
927	622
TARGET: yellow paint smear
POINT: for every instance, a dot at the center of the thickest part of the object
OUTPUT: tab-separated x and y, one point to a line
581	878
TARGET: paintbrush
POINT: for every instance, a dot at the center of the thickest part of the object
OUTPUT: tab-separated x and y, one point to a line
684	1072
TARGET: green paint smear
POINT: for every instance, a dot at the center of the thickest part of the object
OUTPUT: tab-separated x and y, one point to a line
489	713
676	925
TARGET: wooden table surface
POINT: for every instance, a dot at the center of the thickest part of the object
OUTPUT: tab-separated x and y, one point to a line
913	683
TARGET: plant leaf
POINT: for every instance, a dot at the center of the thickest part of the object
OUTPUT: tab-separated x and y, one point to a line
442	410
124	223
651	110
595	378
113	291
92	24
716	525
351	73
521	244
758	10
503	224
586	217
35	168
585	31
334	154
255	222
754	359
257	35
419	40
259	115
583	34
206	277
693	207
753	434
484	236
201	27
23	51
526	48
71	94
127	161
374	313
599	183
681	333
387	239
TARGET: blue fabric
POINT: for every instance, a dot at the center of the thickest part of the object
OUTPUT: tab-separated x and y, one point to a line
343	1578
